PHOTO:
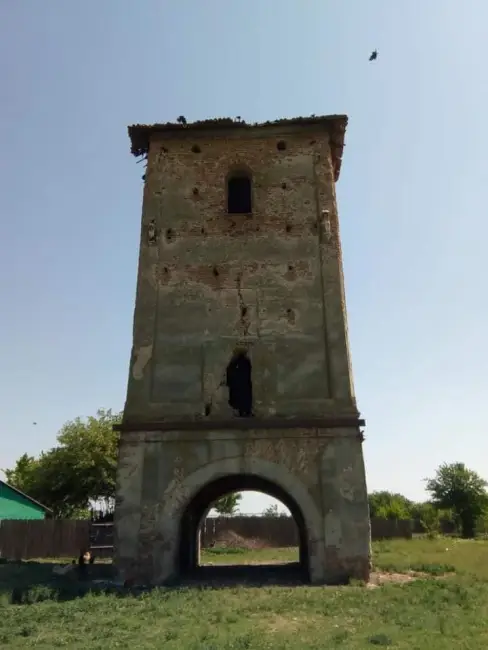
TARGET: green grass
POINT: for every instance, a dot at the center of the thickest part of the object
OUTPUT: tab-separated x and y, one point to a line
244	556
434	613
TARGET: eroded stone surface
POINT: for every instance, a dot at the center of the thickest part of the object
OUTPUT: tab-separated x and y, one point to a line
270	282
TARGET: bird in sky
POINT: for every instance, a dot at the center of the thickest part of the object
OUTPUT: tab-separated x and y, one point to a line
374	55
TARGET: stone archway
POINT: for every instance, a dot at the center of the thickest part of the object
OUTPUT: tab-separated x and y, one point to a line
164	486
196	509
186	503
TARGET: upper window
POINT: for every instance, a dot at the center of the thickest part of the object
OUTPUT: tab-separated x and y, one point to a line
239	191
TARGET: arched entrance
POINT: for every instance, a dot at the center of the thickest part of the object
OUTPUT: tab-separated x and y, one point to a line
197	508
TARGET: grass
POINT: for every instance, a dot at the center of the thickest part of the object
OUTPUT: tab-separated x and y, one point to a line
434	612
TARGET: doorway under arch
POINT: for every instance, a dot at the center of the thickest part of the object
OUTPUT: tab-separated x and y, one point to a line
197	509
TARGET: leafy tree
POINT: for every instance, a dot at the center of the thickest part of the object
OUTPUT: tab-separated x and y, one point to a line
273	511
389	505
463	491
80	469
228	504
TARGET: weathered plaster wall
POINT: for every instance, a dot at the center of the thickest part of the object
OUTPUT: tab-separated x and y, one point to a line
321	470
271	280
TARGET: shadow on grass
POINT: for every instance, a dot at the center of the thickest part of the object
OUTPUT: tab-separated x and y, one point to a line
32	582
27	583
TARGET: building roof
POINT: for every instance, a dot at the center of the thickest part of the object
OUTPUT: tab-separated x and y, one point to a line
25	496
335	125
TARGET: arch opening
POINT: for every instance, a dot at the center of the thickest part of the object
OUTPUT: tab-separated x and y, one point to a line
269	564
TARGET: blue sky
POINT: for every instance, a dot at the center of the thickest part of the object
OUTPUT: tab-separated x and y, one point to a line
412	197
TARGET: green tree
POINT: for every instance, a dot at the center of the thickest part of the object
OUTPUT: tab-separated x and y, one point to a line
461	490
80	469
273	511
389	505
228	504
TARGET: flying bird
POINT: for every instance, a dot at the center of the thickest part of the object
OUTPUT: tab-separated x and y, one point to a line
374	55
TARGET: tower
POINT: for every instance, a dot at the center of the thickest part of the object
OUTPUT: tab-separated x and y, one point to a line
240	375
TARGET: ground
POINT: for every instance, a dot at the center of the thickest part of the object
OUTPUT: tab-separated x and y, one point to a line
432	594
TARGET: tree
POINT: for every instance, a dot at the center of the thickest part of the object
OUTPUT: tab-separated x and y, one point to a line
228	504
80	469
273	511
389	505
463	491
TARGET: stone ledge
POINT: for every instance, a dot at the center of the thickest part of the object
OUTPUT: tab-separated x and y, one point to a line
243	424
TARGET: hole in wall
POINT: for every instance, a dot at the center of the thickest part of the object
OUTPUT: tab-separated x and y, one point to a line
208	409
288	227
164	150
196	149
243	312
195	191
313	141
290	267
215	271
283	186
203	231
290	315
166	270
170	235
281	145
239	383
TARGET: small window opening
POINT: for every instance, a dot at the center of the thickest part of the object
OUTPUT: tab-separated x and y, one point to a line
169	235
281	145
239	191
239	383
196	149
288	227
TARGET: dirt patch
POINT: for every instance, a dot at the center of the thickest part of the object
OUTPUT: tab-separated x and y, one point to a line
229	539
378	578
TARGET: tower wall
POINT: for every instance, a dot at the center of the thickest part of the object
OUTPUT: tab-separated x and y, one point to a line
270	280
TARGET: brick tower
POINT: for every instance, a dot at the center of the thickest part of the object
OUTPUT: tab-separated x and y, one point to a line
240	376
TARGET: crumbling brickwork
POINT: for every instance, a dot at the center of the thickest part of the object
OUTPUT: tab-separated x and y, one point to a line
267	282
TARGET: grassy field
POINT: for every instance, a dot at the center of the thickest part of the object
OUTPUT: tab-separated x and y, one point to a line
437	611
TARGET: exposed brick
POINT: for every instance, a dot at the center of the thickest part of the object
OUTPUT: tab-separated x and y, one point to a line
270	281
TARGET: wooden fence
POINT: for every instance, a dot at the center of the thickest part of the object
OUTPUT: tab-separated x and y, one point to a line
23	540
57	538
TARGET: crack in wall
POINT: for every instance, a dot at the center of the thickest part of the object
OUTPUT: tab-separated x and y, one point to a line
244	311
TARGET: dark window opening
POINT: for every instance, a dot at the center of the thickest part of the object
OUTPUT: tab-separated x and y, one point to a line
239	195
239	383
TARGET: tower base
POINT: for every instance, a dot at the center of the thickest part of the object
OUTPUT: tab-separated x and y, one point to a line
168	477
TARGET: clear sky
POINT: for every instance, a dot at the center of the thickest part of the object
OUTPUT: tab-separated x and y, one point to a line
412	197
